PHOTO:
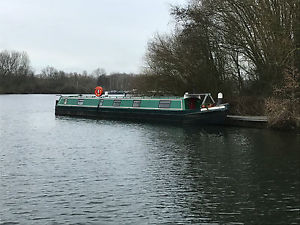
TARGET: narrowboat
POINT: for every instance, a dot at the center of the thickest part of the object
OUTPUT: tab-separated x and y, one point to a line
189	109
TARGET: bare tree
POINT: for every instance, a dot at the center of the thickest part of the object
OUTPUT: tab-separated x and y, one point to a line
217	42
49	71
98	72
13	63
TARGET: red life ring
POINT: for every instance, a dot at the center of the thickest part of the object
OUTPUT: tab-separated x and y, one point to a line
98	91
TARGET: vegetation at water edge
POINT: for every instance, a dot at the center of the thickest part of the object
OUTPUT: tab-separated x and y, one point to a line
249	50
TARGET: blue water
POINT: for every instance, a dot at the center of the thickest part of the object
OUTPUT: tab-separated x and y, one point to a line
60	170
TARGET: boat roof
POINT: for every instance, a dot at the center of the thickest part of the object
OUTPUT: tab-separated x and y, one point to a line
118	96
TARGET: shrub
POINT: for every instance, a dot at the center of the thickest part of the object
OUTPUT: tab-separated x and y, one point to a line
282	108
247	105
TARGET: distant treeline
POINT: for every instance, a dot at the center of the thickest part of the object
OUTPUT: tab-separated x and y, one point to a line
17	77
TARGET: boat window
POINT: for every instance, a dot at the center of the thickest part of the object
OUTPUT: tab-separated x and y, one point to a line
101	102
117	102
164	104
136	103
80	101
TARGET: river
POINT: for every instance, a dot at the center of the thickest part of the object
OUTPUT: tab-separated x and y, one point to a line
60	170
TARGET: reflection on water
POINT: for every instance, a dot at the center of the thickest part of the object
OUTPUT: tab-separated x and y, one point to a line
60	170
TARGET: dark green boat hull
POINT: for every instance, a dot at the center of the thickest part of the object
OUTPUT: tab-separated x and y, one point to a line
194	117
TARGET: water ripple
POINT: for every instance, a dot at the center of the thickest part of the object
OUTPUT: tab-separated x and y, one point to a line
79	171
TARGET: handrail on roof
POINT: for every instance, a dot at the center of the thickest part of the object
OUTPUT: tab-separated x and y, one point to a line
203	96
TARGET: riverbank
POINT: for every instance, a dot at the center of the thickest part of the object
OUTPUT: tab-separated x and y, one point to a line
242	115
247	121
281	113
254	122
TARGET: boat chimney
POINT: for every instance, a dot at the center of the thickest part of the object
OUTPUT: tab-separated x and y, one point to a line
185	95
220	98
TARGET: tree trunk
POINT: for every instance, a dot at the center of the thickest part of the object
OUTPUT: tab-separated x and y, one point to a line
297	36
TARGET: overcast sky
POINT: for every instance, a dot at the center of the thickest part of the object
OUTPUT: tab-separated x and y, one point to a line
77	35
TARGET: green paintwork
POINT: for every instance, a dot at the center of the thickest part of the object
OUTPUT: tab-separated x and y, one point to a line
91	102
61	101
175	104
126	103
108	102
149	103
72	101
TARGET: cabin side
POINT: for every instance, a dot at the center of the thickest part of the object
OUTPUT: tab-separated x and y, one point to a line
123	103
